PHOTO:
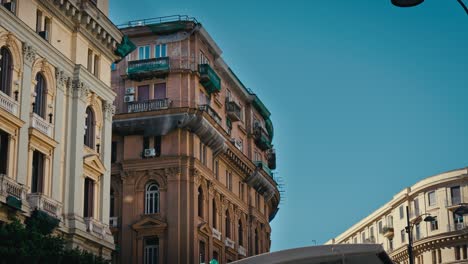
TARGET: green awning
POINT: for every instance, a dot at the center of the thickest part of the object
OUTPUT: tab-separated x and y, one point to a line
125	47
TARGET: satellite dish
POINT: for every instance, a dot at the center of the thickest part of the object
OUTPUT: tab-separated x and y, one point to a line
406	3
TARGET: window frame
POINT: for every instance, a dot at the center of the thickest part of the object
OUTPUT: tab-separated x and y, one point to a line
152	198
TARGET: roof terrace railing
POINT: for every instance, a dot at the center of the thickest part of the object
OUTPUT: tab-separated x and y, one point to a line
157	20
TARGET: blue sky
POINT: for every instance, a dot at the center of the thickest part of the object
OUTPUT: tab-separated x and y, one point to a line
366	98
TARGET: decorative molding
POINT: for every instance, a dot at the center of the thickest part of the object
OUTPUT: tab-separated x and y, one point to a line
62	79
80	90
29	54
109	110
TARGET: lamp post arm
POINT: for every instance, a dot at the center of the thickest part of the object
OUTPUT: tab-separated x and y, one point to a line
463	5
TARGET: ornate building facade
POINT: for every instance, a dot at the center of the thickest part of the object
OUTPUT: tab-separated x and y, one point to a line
192	152
442	238
56	108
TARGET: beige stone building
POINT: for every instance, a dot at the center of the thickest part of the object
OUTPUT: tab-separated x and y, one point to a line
56	115
444	239
192	155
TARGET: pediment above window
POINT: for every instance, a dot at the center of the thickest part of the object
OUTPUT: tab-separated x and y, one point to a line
149	225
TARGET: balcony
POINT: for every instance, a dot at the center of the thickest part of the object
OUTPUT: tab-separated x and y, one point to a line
209	79
388	232
264	167
149	68
271	157
14	192
46	204
95	227
211	112
150	105
216	234
233	111
242	251
261	137
114	221
229	243
42	125
457	227
8	104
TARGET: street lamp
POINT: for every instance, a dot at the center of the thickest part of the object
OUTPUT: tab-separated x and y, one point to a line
410	3
409	228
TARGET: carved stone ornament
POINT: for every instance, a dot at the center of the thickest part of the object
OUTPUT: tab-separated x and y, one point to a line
80	90
29	54
109	110
62	79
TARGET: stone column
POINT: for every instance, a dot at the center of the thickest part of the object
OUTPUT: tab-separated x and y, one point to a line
29	55
75	179
57	181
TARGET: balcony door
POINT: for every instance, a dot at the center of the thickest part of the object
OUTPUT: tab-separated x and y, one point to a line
160	91
143	93
37	172
3	152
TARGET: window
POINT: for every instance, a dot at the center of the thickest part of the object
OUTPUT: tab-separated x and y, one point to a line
215	215
143	52
113	66
240	234
202	149
355	240
89	128
112	203
151	254
4	142
464	251
200	202
202	248
363	237
457	252
390	244
43	25
371	233
229	180
257	156
10	5
458	221
434	224
216	169
403	235
152	199
203	58
257	200
143	93
439	253
157	145
416	206
402	212
417	231
455	195
114	152
96	65
160	91
38	21
228	224
434	256
256	241
241	191
6	71
41	96
160	51
431	197
88	198
380	227
37	172
389	221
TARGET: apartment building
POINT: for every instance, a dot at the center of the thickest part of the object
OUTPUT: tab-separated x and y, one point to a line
440	238
192	151
56	108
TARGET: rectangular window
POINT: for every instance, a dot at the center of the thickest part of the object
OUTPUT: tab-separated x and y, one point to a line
257	156
455	195
3	152
90	60
96	65
151	254
114	152
203	58
38	21
402	212
88	198
416	206
403	235
417	231
160	51
202	252
143	52
380	227
143	93
37	172
431	198
230	181
434	257
439	254
371	232
157	145
390	244
457	252
160	91
355	240
434	224
363	235
216	169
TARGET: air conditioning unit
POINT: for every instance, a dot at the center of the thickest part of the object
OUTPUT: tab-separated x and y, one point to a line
149	153
129	98
236	143
44	35
11	6
130	90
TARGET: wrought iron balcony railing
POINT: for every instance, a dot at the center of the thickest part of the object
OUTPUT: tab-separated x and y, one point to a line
263	166
209	79
261	137
233	111
150	105
211	112
147	68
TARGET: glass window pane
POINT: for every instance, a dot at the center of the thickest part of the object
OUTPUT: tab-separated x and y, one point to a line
164	50
158	51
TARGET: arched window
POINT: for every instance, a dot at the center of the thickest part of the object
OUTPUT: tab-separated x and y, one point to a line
6	70
215	215
89	128
228	224
41	96
240	229
152	199
200	202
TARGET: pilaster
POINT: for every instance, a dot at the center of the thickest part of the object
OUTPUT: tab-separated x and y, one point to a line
106	148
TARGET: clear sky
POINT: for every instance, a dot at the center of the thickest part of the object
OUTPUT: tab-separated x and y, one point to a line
366	98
